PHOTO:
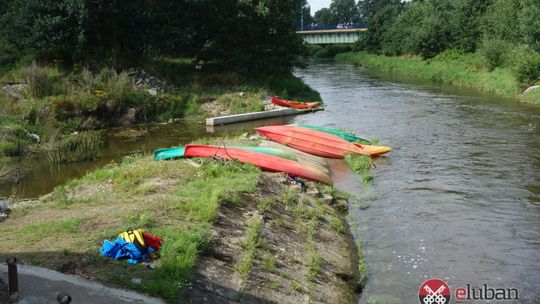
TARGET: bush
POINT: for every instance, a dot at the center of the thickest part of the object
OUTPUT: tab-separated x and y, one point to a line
311	49
525	63
330	51
40	80
13	140
75	147
495	51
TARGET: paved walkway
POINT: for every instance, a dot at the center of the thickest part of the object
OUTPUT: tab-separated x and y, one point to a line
41	286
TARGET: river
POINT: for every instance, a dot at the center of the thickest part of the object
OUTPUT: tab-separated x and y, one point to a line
459	196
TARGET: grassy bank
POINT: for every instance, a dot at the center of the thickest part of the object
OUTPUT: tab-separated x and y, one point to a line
458	69
51	108
270	239
174	200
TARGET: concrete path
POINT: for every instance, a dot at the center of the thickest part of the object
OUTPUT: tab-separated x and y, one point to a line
41	286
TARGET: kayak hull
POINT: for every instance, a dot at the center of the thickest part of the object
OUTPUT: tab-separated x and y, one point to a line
178	152
345	135
266	162
294	104
169	153
317	142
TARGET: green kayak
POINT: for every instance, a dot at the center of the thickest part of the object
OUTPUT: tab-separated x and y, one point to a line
343	134
178	152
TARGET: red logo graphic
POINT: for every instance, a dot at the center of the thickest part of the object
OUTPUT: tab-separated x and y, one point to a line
434	291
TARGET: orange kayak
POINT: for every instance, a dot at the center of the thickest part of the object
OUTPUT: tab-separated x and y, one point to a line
264	161
317	142
294	104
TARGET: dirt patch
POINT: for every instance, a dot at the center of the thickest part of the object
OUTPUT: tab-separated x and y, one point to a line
214	108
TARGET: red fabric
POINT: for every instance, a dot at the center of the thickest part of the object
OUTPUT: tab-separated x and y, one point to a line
152	241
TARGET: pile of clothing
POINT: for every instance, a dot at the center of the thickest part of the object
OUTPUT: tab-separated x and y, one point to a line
136	246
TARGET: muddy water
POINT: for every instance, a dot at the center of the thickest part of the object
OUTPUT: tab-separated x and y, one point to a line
31	178
459	196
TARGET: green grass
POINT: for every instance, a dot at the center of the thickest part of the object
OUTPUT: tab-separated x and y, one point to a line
107	201
49	229
337	224
360	164
532	96
250	245
265	203
313	261
295	286
362	267
273	285
75	147
269	262
462	70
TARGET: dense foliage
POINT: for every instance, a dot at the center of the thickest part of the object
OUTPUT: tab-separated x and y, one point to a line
244	35
505	32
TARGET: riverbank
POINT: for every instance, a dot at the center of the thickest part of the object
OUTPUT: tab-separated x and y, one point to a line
457	69
230	232
61	111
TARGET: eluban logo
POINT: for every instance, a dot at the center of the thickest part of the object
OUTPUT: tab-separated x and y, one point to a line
434	291
486	293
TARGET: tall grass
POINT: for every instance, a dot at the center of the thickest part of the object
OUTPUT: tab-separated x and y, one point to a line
75	147
462	70
361	164
41	80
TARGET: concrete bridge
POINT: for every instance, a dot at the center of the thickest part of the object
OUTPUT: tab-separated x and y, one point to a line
333	34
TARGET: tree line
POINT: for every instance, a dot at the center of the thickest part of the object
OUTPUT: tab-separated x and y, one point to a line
247	35
506	32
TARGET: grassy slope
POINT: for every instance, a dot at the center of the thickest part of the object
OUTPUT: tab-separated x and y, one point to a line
464	70
174	200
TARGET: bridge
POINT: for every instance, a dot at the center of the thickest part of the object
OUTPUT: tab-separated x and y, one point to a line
332	34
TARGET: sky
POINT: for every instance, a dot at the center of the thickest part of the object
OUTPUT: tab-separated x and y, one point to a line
318	4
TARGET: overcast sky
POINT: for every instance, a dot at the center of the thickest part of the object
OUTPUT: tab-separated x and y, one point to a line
318	4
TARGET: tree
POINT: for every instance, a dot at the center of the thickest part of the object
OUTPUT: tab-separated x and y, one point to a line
529	23
501	21
47	28
379	22
464	23
324	16
344	11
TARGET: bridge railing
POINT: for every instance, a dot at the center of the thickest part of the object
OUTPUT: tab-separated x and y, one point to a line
331	27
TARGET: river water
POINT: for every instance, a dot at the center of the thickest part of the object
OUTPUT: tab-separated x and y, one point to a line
459	196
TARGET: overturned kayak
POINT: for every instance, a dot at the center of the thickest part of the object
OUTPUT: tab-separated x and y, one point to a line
294	104
169	153
343	134
178	152
317	142
266	162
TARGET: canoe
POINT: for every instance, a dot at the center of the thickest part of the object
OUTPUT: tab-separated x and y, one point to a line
178	152
169	153
343	134
294	104
266	162
317	142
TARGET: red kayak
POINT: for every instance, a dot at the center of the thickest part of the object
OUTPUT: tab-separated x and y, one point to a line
264	161
294	104
317	142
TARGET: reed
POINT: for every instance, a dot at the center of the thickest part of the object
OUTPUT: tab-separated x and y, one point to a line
75	147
